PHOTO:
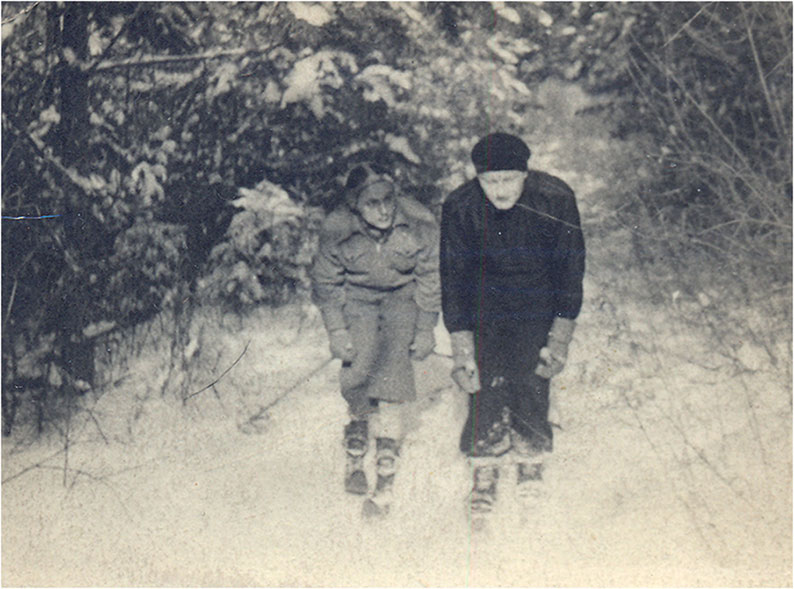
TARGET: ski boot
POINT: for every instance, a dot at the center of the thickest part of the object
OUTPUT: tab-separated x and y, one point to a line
529	477
529	464
356	445
379	503
483	494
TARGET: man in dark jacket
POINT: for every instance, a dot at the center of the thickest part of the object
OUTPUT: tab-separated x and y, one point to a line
512	263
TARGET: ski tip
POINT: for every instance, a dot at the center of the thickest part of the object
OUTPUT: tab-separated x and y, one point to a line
372	511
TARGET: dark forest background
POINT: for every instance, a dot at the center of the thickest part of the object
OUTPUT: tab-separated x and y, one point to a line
160	157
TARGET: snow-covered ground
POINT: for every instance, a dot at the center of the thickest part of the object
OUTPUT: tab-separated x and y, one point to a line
672	467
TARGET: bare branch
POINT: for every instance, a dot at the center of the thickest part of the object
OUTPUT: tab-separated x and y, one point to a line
153	60
17	15
683	27
217	380
31	467
116	37
686	94
42	151
773	106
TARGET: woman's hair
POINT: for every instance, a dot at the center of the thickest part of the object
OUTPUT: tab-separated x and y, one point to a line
361	176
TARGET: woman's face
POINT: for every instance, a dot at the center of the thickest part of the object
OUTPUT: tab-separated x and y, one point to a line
502	187
376	205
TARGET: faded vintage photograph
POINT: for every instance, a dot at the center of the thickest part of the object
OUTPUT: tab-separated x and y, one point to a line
396	294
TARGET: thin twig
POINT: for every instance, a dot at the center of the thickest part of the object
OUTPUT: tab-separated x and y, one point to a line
44	81
66	440
780	62
700	453
152	60
97	479
683	27
773	106
39	147
11	301
225	372
748	220
31	467
657	452
17	15
670	74
116	37
76	471
96	423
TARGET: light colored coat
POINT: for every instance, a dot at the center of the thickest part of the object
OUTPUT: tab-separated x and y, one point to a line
380	288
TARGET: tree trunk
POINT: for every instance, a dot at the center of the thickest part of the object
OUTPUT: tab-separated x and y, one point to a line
72	33
77	354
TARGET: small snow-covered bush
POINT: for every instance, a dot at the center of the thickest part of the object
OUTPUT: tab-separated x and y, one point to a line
148	262
265	253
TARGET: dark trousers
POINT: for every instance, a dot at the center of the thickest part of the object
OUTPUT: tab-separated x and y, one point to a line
513	400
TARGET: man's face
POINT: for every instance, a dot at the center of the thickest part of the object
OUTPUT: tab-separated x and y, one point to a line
502	187
376	205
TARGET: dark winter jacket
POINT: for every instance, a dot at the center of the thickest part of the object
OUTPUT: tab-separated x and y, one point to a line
352	265
521	264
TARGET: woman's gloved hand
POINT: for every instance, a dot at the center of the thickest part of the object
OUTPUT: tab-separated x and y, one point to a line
423	345
341	345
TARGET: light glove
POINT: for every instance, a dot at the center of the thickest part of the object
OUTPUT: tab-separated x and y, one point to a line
464	366
423	345
341	345
424	341
555	353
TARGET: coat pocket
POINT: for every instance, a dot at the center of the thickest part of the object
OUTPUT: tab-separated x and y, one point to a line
356	256
403	250
403	261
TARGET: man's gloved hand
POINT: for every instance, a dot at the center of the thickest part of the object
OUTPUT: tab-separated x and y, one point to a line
464	366
555	353
341	345
423	345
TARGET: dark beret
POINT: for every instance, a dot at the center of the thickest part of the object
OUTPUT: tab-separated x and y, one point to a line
500	151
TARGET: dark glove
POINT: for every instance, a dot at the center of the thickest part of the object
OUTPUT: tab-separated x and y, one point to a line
555	353
341	345
423	345
464	366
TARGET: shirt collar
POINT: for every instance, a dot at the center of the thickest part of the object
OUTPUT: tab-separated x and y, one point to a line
400	218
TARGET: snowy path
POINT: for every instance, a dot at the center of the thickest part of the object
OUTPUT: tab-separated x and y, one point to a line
673	466
638	491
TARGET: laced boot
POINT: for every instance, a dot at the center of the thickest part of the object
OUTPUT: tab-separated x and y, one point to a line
483	492
379	503
529	477
482	498
529	467
356	445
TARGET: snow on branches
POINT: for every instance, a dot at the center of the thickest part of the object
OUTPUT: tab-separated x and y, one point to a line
310	75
